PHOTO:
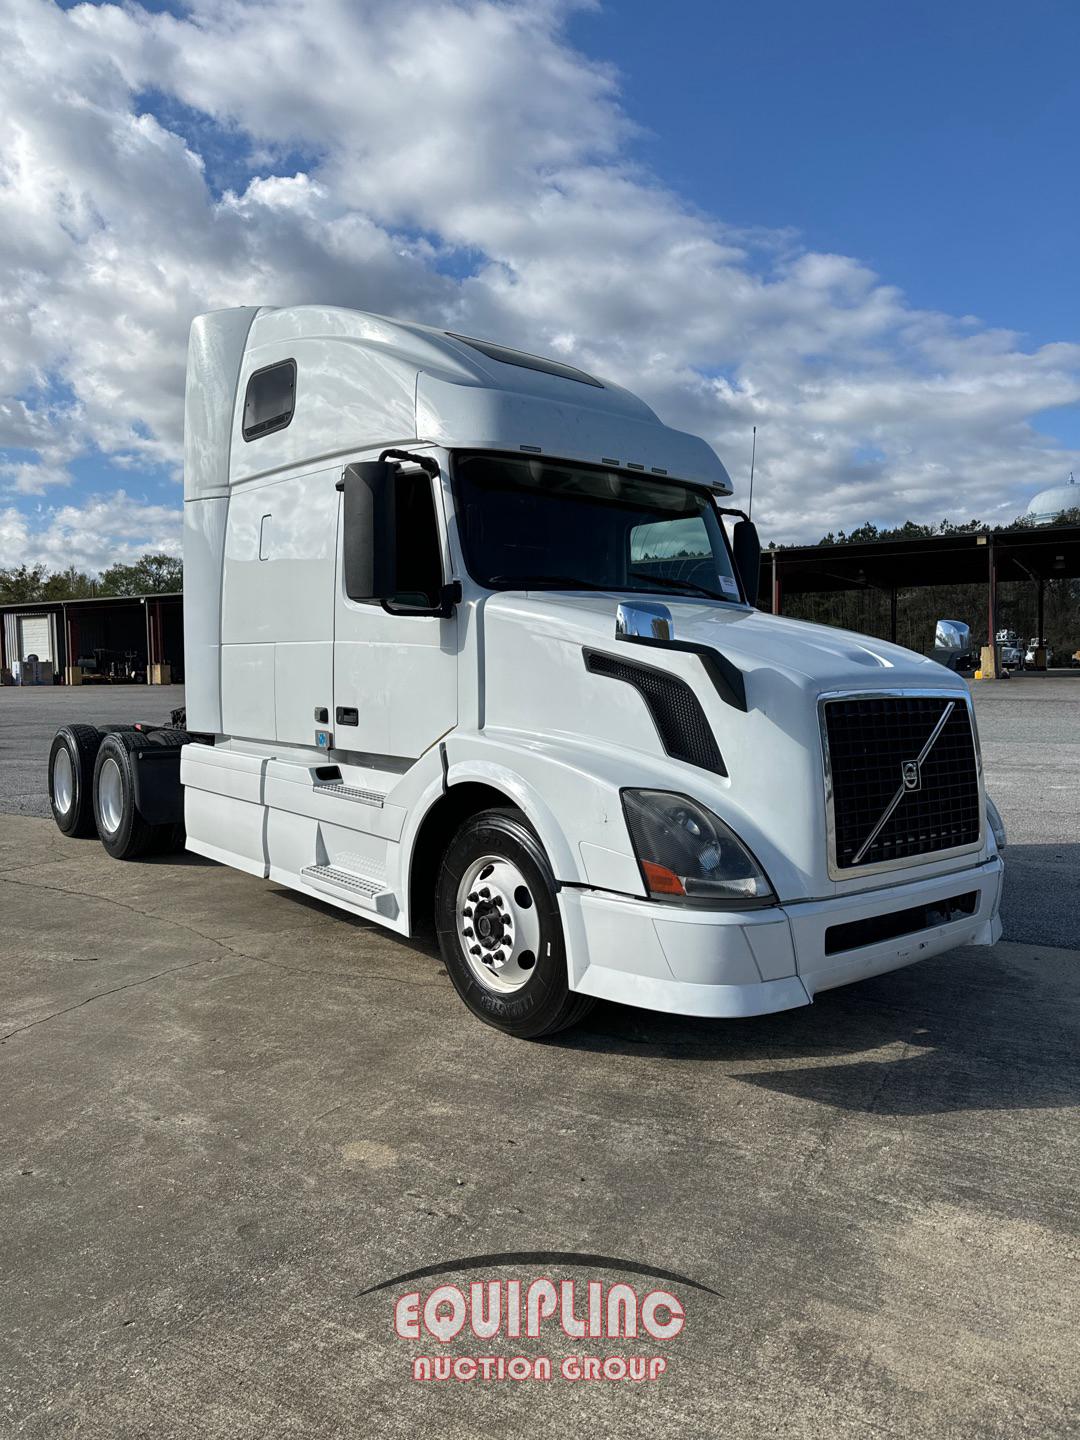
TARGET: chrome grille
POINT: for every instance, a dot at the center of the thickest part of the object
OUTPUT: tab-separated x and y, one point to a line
903	777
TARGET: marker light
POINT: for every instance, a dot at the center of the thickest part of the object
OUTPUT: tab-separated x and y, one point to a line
997	825
688	855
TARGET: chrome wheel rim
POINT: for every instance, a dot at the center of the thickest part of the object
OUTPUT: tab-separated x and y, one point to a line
498	928
63	781
110	795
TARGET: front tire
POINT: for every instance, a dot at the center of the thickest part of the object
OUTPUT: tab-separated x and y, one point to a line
499	929
71	778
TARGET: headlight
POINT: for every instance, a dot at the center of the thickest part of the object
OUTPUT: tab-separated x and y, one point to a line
993	814
688	856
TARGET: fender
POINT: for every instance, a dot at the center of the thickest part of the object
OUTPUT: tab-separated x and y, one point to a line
564	863
564	789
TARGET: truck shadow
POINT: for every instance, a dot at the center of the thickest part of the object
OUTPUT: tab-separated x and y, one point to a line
969	1030
425	945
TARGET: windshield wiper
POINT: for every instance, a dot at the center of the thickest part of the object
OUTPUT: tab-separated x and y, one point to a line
668	582
558	582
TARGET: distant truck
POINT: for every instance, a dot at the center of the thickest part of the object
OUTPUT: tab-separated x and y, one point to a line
468	646
1010	650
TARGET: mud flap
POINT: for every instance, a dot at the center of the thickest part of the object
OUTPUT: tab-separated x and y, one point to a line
159	796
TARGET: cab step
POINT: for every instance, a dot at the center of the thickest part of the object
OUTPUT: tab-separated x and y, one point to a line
348	792
360	890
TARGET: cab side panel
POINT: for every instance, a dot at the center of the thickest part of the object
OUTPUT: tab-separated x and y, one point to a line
277	614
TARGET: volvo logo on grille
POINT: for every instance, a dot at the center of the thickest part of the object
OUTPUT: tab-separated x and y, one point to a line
911	774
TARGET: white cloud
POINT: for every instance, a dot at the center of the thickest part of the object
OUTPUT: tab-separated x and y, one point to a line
383	140
103	530
30	477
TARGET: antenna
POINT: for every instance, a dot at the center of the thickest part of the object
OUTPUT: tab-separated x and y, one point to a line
753	457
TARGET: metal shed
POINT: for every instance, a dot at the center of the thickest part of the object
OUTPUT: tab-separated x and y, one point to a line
1036	554
105	638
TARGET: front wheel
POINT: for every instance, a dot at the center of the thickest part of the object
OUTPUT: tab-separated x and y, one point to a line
499	928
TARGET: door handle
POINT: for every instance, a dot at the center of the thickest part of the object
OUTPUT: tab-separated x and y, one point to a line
347	715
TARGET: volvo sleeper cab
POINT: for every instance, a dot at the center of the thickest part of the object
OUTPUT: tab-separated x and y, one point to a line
472	647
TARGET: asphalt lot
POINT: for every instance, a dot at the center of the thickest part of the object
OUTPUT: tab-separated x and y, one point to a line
228	1111
30	718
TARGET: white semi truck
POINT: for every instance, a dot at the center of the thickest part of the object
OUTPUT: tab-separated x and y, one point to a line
468	648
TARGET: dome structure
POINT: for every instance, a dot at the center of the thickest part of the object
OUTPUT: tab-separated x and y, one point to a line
1048	504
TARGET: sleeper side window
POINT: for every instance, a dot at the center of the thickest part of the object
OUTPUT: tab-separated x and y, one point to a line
270	399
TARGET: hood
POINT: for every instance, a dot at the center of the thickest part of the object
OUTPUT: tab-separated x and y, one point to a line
815	658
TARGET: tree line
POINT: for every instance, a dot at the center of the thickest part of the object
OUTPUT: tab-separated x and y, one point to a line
150	575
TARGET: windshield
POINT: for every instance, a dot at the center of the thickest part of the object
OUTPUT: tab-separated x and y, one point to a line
547	523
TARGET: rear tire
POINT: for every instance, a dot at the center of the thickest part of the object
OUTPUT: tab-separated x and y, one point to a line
120	827
71	778
499	929
170	739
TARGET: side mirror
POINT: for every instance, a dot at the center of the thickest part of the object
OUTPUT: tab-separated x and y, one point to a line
952	635
747	550
369	543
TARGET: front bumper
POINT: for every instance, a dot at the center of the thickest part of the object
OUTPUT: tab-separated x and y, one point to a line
732	963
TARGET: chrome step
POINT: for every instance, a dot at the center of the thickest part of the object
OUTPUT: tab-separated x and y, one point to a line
361	889
348	792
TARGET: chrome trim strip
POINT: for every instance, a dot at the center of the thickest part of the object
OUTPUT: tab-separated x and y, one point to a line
886	816
910	862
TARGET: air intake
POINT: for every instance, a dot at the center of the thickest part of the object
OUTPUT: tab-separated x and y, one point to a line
675	709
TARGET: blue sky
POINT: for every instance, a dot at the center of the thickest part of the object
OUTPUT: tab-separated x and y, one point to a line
936	141
852	224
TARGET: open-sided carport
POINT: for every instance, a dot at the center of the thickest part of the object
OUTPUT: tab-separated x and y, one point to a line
1036	554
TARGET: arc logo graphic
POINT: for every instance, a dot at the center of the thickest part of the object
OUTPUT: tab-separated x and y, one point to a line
510	1315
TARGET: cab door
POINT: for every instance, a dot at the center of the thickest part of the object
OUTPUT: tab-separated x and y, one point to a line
396	673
